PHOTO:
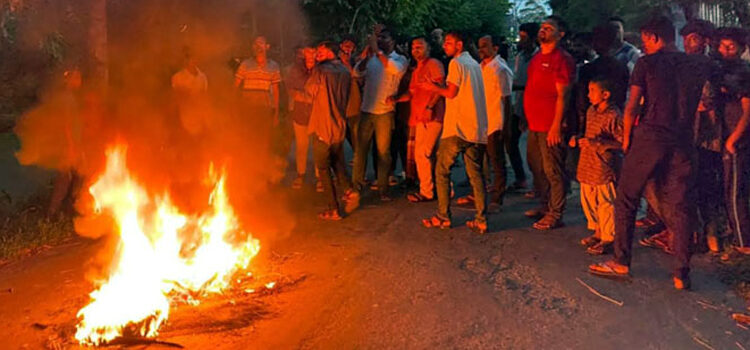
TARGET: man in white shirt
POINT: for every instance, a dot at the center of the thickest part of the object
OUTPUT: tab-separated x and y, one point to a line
190	86
498	86
464	131
381	69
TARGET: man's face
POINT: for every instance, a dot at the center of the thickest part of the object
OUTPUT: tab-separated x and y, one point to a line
385	41
619	29
651	43
451	46
486	48
524	40
260	46
323	53
694	43
347	47
549	32
419	49
309	56
729	49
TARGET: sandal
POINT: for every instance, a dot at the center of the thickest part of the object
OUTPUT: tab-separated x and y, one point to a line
469	199
658	241
436	222
610	269
417	197
600	248
476	226
548	223
330	214
589	241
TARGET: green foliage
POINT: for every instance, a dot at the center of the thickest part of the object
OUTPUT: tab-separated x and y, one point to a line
334	18
26	229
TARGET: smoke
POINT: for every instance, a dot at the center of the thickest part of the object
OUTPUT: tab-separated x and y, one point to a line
170	151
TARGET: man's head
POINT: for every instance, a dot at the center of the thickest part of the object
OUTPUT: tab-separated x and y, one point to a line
619	26
260	46
326	50
454	43
552	30
600	90
487	48
731	42
385	39
696	36
603	39
420	49
437	36
309	56
527	35
656	34
348	44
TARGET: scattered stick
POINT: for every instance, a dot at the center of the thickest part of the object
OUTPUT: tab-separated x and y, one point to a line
743	327
701	342
707	305
592	290
741	318
740	345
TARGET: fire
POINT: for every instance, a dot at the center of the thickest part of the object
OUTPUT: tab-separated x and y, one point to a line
160	252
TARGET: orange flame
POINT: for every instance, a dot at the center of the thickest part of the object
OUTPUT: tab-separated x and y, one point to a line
160	251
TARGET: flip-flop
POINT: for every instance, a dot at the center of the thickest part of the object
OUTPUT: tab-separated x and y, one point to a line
478	227
607	269
436	222
469	199
331	215
417	197
589	241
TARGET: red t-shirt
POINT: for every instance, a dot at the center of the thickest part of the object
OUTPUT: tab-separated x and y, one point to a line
540	96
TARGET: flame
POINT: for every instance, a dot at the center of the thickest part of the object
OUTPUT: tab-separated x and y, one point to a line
160	251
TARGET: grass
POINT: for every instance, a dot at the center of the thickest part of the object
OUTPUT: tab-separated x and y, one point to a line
26	229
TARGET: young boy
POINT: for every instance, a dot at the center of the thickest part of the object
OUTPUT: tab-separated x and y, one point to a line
597	166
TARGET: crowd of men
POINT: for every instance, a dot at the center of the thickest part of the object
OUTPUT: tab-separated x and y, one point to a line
662	124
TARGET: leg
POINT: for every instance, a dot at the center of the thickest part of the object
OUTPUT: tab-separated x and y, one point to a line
512	137
605	211
59	191
426	137
302	141
553	159
678	206
736	194
323	156
339	168
446	156
383	126
473	158
588	203
352	131
365	129
640	164
534	144
496	155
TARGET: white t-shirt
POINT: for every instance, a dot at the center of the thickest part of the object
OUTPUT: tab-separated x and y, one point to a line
381	82
466	113
188	83
498	83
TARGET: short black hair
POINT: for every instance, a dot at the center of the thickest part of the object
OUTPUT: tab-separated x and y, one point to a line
605	84
603	38
460	36
660	26
698	26
531	28
617	19
348	37
560	22
735	34
331	45
420	37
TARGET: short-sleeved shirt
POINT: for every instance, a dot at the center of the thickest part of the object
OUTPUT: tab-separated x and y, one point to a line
430	71
540	96
672	85
628	55
294	80
186	82
498	84
256	82
466	113
381	82
734	85
598	165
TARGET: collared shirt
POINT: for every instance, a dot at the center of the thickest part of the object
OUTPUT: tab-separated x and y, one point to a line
381	82
299	102
466	113
598	163
186	82
329	86
429	71
540	97
498	84
256	82
628	55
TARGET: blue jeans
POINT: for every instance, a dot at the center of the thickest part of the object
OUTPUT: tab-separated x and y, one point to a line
381	127
473	158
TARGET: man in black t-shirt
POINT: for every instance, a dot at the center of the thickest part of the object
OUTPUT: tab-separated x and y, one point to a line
659	147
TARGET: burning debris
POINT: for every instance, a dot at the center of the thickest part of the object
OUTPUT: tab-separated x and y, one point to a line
160	252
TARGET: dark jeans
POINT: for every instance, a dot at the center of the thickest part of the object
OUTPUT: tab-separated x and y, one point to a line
710	191
496	154
548	168
331	157
381	126
399	142
737	191
473	158
512	138
672	166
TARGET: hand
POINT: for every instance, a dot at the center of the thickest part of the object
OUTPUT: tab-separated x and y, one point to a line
390	100
426	115
573	142
377	28
731	144
426	85
554	136
584	143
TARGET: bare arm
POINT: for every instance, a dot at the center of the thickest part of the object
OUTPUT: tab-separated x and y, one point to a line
631	112
741	129
554	136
